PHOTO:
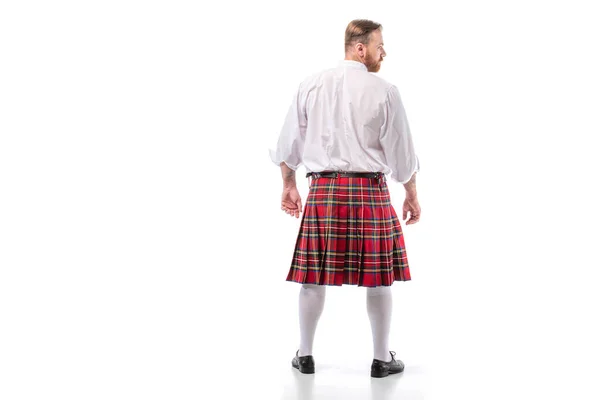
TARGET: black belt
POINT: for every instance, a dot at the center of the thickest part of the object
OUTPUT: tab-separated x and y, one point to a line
335	174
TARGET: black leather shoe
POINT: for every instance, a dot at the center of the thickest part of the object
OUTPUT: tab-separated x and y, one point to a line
379	368
305	364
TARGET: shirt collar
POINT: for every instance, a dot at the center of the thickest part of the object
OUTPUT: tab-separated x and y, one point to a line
353	64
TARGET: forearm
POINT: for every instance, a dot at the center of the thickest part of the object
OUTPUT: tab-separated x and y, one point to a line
411	187
288	175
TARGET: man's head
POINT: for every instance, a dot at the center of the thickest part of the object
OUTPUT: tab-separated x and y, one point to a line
364	43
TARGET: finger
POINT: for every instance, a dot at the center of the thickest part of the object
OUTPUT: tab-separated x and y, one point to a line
404	212
413	219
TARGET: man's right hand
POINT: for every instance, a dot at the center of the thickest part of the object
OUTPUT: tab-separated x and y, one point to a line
411	205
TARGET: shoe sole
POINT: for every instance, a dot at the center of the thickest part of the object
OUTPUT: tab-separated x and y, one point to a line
305	370
375	374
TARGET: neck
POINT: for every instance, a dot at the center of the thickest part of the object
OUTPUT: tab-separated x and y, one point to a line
353	57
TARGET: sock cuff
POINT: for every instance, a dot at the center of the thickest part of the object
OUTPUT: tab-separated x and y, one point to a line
379	291
314	289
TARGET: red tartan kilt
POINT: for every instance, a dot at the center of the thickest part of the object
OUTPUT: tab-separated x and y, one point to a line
349	234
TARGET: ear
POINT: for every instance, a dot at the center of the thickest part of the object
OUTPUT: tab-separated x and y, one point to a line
360	49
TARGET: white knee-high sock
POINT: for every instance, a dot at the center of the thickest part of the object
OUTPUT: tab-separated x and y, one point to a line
311	304
379	308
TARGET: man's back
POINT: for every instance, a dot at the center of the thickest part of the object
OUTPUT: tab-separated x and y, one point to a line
347	119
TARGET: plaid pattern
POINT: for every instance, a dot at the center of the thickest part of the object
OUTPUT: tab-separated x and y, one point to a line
349	234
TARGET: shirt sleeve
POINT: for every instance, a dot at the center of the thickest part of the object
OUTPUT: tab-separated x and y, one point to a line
396	139
290	145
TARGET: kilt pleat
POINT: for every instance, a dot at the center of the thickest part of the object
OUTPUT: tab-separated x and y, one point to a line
349	234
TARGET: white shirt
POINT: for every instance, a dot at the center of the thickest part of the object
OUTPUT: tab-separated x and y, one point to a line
347	119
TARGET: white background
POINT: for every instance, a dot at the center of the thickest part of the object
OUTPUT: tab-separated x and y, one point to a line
143	253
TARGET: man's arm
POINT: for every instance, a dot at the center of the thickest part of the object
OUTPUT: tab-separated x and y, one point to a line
288	175
411	187
400	154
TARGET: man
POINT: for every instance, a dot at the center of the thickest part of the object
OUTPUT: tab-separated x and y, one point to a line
348	128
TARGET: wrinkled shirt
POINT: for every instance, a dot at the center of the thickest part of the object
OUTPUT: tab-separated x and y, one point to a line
347	119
